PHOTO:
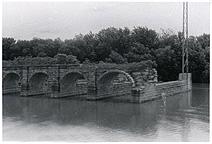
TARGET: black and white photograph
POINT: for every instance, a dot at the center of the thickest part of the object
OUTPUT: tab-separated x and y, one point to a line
105	71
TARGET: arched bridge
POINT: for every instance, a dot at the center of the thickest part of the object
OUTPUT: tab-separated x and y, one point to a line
93	81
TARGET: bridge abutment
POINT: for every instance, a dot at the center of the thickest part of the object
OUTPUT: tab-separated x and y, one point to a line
152	91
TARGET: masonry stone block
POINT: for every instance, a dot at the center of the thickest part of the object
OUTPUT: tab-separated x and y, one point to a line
142	86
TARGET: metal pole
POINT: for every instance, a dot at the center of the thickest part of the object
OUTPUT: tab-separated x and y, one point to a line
187	37
183	39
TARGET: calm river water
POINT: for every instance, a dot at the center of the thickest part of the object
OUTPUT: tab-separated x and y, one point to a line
185	118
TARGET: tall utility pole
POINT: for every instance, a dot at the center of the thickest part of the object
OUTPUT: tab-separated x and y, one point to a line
185	38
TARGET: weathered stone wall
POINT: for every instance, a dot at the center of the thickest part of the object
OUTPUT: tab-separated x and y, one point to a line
142	82
114	91
155	91
30	76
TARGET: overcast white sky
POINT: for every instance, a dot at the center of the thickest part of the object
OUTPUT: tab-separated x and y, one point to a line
23	20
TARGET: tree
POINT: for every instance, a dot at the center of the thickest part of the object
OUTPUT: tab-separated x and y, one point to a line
197	61
165	63
79	48
70	59
91	44
138	52
117	40
145	36
66	47
170	48
115	57
117	45
65	59
24	48
102	51
7	45
37	49
60	58
49	48
204	40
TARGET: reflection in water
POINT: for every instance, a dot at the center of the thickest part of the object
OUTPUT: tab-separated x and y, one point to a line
39	119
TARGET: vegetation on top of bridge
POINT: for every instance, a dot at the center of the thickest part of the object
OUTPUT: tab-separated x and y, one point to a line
47	61
119	46
29	60
138	65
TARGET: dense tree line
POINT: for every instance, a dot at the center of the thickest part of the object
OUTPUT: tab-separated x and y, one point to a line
117	45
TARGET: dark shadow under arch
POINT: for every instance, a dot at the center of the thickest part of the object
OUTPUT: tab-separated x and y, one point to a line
106	83
73	83
39	82
11	83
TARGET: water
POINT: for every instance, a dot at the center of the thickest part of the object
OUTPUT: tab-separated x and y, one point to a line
185	118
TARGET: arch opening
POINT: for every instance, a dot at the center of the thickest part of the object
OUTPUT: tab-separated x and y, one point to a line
11	83
38	83
73	84
115	83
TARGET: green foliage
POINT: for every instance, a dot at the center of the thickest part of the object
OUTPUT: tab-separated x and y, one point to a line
140	46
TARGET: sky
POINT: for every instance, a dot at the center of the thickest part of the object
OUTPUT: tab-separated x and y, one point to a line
25	20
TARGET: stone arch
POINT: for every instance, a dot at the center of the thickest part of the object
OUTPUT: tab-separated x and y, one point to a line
112	73
105	80
33	73
9	73
39	82
11	83
73	83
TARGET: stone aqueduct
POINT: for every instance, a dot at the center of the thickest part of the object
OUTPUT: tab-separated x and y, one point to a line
93	81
